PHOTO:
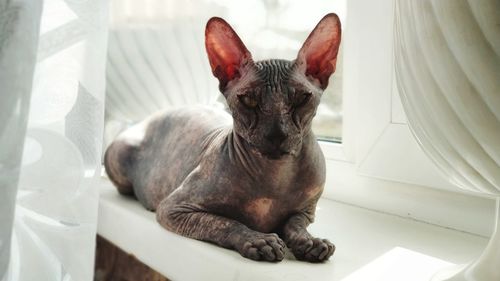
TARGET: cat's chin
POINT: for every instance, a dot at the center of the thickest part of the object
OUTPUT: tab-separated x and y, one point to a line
277	155
271	154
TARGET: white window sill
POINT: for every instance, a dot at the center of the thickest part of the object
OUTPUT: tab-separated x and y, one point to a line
370	246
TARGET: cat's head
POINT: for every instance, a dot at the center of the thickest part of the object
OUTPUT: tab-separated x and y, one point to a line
273	102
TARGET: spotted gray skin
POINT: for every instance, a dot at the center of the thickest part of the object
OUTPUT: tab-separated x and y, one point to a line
248	182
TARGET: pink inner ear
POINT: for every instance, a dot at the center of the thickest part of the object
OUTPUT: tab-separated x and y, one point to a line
225	50
319	52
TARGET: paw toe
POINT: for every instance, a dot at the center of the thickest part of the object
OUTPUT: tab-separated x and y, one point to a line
252	253
268	253
269	247
314	250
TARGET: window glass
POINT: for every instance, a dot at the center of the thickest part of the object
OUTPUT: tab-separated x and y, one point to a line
157	60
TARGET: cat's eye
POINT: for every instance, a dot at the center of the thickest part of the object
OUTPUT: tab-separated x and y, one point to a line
248	101
303	98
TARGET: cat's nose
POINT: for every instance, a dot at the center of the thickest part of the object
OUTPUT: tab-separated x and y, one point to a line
276	137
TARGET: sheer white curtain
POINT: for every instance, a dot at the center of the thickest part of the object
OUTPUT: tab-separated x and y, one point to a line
19	25
448	72
53	229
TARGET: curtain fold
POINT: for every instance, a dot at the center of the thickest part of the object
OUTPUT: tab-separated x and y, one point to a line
54	226
19	26
447	68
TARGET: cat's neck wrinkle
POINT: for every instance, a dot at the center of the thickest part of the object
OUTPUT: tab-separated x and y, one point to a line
254	163
240	152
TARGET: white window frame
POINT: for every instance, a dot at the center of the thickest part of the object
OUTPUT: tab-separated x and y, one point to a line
379	164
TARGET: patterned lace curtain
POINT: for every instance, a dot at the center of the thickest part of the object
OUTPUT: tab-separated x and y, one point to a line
48	190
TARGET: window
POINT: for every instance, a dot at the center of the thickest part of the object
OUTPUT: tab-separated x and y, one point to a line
157	60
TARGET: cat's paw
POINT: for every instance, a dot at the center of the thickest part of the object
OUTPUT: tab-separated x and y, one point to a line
311	249
267	247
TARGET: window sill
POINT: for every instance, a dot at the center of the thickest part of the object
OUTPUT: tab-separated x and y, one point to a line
368	244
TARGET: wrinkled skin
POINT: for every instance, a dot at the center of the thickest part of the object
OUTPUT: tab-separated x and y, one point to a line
250	182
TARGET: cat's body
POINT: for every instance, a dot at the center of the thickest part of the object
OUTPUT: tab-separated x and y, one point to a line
235	182
209	151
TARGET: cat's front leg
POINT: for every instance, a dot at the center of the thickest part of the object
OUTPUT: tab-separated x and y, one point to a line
303	245
192	221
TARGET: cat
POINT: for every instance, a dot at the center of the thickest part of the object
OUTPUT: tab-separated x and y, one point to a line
251	182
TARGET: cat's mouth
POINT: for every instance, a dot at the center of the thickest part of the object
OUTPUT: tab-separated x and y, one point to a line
277	154
273	154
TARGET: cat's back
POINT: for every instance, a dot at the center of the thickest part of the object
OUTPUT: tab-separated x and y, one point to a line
173	144
184	125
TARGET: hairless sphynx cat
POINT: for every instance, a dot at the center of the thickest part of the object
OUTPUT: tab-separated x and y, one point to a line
250	182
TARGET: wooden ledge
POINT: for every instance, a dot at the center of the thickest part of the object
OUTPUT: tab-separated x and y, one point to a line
112	263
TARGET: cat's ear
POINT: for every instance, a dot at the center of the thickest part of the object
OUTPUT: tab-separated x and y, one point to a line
226	53
318	56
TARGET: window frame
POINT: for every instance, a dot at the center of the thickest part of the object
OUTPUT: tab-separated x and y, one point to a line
374	119
379	164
